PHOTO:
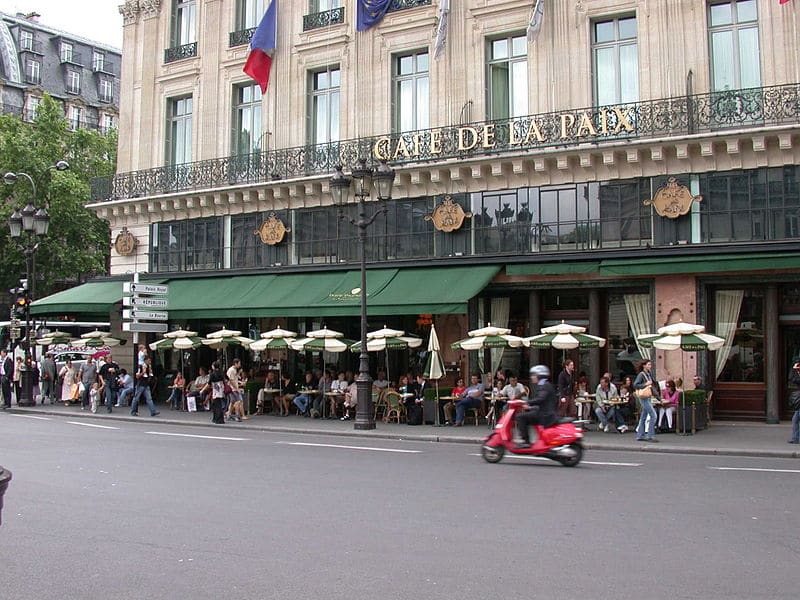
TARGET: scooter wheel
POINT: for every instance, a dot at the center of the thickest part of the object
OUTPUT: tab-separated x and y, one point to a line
571	461
492	454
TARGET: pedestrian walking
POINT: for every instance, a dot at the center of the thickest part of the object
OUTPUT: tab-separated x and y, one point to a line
144	379
794	403
566	390
87	378
6	374
646	388
216	384
108	378
48	374
69	383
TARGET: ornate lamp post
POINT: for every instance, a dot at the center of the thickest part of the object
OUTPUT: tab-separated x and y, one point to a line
361	183
28	227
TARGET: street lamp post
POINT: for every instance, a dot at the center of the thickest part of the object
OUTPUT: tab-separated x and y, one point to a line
28	227
363	179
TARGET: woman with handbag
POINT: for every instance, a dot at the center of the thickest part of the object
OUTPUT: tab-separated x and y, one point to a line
646	387
69	387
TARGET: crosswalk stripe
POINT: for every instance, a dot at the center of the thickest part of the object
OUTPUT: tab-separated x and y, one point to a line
202	437
367	448
31	417
758	470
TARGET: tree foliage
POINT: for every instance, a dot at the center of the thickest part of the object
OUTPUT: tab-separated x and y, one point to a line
77	245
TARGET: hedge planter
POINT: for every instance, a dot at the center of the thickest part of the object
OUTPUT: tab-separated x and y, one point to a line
691	418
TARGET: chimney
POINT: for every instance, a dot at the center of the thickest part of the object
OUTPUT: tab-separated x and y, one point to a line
33	17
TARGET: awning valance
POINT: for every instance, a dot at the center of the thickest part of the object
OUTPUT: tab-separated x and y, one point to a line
714	263
90	299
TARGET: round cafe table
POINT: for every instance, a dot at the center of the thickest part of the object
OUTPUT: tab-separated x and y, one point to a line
331	394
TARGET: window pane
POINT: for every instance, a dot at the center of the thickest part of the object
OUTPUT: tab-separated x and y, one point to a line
629	73
627	28
750	69
746	11
321	119
606	76
604	32
519	71
500	91
335	78
422	63
334	117
499	49
423	117
722	57
520	46
721	14
406	65
321	80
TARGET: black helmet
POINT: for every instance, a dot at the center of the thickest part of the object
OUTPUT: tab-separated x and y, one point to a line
540	371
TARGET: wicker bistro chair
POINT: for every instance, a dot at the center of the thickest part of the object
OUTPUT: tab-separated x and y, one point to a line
379	402
394	407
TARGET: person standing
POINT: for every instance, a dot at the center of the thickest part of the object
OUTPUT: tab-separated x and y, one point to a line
69	382
566	390
17	377
646	388
88	377
108	379
216	384
794	379
48	373
143	380
6	374
235	395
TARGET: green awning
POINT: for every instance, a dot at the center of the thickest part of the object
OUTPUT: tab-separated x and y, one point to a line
553	268
715	263
94	299
439	290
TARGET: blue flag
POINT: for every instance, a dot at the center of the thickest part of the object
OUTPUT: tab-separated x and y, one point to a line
371	12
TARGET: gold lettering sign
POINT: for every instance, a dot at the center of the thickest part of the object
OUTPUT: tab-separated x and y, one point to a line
673	200
126	243
448	216
272	231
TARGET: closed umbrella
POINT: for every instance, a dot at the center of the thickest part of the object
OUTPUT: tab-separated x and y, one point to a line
565	337
434	367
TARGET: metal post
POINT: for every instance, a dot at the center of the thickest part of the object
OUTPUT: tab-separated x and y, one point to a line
365	416
27	398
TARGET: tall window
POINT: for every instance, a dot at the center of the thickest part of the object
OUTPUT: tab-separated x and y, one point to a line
615	58
411	92
248	13
247	119
74	82
107	123
25	40
184	22
194	245
179	130
66	52
508	77
735	56
323	5
98	61
75	117
33	71
31	106
106	91
324	107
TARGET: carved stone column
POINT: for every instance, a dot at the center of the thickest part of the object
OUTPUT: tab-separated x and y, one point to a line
772	365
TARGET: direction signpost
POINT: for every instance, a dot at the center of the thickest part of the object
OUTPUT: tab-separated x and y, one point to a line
139	300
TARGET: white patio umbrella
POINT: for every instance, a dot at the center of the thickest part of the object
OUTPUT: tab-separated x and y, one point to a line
388	339
54	337
275	339
322	340
564	337
434	367
180	339
488	337
95	339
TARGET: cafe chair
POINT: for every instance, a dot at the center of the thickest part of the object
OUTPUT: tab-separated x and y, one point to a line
394	407
709	407
379	402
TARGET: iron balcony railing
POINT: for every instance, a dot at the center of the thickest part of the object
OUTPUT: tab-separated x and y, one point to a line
323	19
241	37
180	52
403	4
715	111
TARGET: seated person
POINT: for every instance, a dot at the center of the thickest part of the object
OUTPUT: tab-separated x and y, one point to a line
270	383
542	403
325	382
289	391
698	383
513	390
303	400
607	392
414	402
125	386
339	385
669	400
380	385
471	398
350	400
178	388
196	389
450	407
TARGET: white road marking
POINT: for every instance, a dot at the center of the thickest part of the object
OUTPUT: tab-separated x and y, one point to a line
91	425
202	437
583	462
368	448
31	417
755	469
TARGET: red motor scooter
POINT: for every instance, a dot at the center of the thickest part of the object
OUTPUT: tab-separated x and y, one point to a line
561	442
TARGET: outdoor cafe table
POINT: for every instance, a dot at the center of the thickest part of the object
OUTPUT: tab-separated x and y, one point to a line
332	394
271	392
584	403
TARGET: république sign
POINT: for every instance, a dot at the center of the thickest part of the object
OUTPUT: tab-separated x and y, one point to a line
522	132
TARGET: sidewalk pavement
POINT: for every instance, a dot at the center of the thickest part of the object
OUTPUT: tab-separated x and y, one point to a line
722	438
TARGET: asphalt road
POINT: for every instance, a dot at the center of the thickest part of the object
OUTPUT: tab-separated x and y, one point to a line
140	510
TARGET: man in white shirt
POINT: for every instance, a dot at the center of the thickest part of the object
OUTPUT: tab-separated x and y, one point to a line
605	394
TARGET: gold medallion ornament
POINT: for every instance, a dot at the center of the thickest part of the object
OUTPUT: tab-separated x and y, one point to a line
272	231
673	200
126	243
448	216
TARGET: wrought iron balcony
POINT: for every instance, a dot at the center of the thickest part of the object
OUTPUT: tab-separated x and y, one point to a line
180	52
33	46
680	116
404	4
241	37
323	19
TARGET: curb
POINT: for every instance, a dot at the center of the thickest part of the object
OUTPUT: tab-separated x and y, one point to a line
374	434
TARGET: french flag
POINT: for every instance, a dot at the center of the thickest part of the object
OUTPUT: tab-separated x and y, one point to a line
262	47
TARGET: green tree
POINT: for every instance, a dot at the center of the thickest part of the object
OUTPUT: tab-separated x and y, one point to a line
77	245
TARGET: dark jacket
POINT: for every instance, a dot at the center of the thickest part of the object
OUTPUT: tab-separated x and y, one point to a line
566	385
418	391
544	397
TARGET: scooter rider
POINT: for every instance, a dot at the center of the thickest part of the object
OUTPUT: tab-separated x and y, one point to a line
543	401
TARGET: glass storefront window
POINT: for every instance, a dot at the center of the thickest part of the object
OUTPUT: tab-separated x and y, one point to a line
745	358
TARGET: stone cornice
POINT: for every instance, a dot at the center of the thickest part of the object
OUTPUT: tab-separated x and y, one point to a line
129	11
